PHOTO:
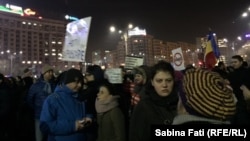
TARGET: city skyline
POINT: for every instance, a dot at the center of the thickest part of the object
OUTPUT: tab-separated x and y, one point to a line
174	20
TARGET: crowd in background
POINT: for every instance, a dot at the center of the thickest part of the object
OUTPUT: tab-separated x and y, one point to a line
76	106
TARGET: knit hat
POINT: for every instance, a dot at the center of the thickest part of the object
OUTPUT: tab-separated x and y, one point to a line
72	75
138	70
205	94
46	68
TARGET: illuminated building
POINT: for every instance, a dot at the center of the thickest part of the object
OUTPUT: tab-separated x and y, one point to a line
153	50
39	39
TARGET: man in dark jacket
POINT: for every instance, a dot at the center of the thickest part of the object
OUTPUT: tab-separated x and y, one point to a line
94	77
236	80
38	92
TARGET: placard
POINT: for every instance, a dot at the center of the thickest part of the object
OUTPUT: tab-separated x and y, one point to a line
114	75
131	62
76	38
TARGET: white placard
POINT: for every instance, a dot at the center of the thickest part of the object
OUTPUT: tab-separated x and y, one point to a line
131	62
114	75
76	38
178	59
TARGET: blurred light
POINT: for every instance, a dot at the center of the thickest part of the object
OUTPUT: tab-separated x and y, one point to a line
130	26
67	17
112	29
239	38
244	14
28	11
247	35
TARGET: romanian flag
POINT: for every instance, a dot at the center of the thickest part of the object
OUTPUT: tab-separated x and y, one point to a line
212	52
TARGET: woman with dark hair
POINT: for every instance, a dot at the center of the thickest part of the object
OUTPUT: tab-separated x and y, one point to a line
159	104
110	118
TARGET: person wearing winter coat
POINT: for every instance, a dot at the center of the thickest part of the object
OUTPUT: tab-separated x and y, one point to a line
63	116
110	118
204	99
37	93
159	104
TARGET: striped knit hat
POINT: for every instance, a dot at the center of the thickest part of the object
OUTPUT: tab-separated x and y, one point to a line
205	94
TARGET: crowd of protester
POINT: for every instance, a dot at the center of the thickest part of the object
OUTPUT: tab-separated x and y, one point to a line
76	106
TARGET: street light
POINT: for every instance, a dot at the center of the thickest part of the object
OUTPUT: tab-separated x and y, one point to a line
124	35
68	17
12	56
234	44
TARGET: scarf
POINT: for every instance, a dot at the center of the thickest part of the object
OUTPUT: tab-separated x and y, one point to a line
169	101
107	104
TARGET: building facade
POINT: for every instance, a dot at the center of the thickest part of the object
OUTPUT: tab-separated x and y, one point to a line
30	41
153	50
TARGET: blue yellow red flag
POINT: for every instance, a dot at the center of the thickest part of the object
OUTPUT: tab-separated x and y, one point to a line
212	52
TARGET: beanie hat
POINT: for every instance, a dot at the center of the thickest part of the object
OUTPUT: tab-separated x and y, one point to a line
46	68
96	71
138	70
72	75
205	94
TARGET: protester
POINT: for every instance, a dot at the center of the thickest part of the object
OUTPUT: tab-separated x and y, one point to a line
221	69
141	78
245	87
109	114
236	80
63	116
25	121
94	77
38	92
204	98
159	104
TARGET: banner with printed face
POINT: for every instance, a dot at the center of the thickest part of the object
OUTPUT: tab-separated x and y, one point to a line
76	38
178	59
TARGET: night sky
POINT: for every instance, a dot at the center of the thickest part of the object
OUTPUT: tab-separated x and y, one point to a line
169	20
